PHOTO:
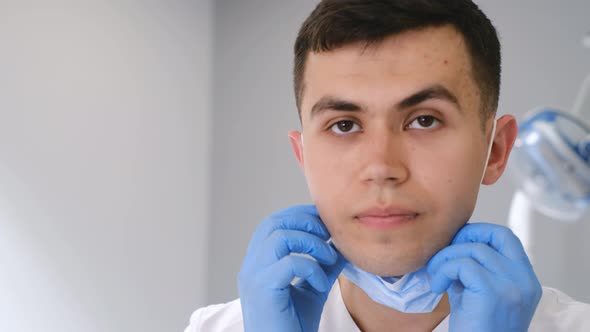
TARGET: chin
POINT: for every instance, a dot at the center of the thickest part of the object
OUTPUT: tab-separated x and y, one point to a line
384	266
390	270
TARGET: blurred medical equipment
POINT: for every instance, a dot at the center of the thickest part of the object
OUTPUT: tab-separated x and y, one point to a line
551	164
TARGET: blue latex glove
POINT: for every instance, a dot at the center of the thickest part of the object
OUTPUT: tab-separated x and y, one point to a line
490	281
269	301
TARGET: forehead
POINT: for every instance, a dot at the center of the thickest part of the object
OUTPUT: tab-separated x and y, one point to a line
392	69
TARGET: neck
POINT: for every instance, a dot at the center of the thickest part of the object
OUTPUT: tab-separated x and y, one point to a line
370	316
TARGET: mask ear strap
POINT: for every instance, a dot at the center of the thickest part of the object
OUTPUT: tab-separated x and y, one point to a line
581	107
485	166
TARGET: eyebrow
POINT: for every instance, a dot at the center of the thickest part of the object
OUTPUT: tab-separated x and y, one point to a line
436	91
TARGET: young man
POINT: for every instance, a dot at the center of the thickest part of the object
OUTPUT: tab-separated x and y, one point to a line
397	101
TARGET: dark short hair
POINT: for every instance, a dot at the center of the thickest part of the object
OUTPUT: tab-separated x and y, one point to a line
336	23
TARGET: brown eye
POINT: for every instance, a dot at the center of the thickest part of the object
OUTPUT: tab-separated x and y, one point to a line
424	122
344	126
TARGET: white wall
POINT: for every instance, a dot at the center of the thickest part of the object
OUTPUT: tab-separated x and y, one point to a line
255	173
104	154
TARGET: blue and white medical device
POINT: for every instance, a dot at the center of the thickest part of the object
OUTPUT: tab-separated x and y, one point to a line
551	164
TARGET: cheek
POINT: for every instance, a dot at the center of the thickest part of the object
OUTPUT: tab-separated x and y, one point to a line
452	186
451	180
330	179
328	174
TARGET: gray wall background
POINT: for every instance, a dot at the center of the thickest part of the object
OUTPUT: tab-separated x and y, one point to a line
104	145
254	172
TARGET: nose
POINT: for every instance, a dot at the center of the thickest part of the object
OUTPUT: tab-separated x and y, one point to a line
384	160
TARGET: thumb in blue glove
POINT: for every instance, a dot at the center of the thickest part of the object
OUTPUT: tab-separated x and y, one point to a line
490	281
269	300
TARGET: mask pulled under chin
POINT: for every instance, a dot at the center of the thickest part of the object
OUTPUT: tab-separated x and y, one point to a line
410	293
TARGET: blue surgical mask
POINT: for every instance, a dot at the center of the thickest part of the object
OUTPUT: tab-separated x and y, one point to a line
410	293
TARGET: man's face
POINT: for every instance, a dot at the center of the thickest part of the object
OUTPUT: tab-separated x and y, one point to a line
392	147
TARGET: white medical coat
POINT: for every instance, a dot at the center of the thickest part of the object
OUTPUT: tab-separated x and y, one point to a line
556	312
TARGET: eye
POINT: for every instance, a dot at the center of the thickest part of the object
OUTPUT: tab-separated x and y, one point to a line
344	127
424	122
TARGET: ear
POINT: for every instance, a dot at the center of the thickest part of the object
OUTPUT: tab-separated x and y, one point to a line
297	144
506	131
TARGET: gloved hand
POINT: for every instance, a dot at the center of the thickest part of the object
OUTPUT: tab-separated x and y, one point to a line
490	281
269	301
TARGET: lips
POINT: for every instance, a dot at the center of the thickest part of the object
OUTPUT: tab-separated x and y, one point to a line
386	217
